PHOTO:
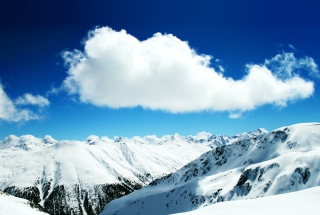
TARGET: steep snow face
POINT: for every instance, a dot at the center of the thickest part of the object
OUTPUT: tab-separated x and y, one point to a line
282	161
11	205
82	176
300	202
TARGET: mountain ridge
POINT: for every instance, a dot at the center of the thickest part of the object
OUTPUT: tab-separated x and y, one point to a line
80	177
29	142
281	161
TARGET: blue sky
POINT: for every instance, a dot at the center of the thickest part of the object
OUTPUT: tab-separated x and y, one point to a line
224	67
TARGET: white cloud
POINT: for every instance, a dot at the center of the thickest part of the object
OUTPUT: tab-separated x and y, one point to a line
221	69
28	99
235	115
286	65
163	73
11	111
292	47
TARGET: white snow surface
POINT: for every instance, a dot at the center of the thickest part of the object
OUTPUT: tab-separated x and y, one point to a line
282	161
295	203
10	205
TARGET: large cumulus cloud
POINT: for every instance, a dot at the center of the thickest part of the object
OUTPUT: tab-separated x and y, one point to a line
117	70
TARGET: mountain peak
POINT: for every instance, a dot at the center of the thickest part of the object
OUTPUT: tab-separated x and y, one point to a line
92	139
27	142
261	131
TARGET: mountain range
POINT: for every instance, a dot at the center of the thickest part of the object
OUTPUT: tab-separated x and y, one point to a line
80	177
151	175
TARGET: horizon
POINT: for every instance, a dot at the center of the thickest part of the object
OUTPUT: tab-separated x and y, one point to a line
75	69
154	135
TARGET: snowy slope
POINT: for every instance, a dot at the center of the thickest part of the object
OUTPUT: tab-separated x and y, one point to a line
300	202
82	176
10	205
282	161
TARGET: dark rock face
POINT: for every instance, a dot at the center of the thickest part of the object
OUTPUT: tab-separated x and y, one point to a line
30	193
249	174
74	200
57	203
244	186
304	174
281	135
37	206
105	193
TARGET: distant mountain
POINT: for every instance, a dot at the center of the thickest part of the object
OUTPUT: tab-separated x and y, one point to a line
11	205
27	142
80	177
282	161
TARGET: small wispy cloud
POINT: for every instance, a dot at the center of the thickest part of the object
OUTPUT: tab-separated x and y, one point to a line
29	99
221	69
12	111
235	115
286	65
117	70
292	47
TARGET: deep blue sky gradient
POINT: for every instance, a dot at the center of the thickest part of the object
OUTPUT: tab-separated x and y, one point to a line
34	33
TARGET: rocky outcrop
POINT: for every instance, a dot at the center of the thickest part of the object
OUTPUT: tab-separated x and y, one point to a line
30	193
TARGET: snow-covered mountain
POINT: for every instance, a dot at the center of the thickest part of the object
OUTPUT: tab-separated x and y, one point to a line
282	161
27	142
80	177
11	205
